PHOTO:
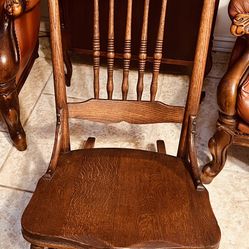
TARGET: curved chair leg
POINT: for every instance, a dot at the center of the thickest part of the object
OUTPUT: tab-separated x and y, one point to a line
68	64
9	107
36	247
218	146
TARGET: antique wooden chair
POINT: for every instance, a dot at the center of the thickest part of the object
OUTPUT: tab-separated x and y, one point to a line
123	198
232	95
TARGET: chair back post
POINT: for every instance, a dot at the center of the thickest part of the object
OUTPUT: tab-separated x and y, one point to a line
196	81
59	75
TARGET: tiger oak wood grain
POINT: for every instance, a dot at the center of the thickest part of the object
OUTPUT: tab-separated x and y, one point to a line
135	112
120	198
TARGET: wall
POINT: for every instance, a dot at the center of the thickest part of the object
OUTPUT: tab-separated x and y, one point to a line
223	40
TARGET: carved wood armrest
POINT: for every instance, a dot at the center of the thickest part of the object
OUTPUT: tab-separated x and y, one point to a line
16	7
240	25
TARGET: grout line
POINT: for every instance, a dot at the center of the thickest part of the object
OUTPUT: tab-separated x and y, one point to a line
17	189
8	154
49	94
4	131
32	110
76	98
214	77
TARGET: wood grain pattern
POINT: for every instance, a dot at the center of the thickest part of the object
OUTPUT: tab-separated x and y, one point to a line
110	50
89	144
96	48
127	51
130	111
158	54
129	198
59	75
161	148
143	51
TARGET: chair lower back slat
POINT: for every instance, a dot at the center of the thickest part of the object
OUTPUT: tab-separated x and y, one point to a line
158	54
143	50
96	48
110	50
132	111
127	51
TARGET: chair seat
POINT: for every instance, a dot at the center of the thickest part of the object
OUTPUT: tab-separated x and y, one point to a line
122	198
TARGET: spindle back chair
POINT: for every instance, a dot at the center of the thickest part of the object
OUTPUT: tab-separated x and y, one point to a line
121	197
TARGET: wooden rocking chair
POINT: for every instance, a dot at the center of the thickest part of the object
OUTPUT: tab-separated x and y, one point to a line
123	198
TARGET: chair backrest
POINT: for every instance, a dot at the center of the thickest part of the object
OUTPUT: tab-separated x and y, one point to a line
133	111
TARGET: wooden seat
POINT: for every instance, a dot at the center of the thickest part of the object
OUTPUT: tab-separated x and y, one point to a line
123	198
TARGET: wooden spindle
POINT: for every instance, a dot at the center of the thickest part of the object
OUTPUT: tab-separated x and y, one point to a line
96	48
143	51
127	51
110	50
158	52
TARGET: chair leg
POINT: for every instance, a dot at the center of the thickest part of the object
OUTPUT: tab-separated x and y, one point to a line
89	143
9	107
68	64
36	247
218	146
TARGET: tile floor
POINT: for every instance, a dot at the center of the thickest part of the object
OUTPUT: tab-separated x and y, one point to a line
20	171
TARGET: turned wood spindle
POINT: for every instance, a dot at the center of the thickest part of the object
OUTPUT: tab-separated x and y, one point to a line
127	51
143	51
96	48
158	52
110	50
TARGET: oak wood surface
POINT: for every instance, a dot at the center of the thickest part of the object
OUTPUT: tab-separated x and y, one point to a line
120	198
135	112
161	148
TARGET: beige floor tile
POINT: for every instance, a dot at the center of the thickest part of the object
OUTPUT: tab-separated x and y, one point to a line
238	159
5	147
12	204
32	88
229	195
218	70
126	135
220	57
44	47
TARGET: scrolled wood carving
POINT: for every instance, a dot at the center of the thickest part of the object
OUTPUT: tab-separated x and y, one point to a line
15	7
240	25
